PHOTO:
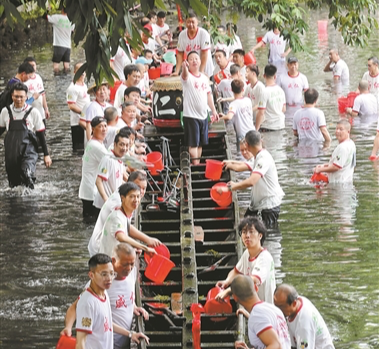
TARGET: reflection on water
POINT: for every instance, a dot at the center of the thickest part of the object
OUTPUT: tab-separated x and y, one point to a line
327	245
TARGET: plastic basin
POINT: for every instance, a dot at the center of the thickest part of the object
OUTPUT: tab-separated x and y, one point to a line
166	68
158	268
343	103
351	98
212	306
66	343
224	199
213	169
154	73
155	158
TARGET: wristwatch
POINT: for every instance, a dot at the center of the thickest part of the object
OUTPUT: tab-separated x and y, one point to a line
130	334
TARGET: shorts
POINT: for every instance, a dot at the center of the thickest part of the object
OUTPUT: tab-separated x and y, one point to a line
268	216
77	136
90	211
61	54
195	132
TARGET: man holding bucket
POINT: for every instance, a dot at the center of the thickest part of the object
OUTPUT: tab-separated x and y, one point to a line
266	193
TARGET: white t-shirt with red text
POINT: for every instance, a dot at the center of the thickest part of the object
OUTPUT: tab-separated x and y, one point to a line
77	94
35	84
293	87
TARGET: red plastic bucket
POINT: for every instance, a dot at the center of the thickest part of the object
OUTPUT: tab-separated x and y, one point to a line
213	169
154	73
259	39
212	306
249	58
343	103
161	249
351	98
155	158
219	76
158	268
66	343
322	27
224	199
319	177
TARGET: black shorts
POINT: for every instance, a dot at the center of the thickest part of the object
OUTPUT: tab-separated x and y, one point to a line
268	216
195	132
77	136
61	54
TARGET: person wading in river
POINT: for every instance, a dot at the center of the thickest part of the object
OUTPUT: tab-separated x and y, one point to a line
121	296
266	193
255	262
95	327
24	125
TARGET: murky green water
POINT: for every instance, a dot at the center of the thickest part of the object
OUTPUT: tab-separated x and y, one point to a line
328	241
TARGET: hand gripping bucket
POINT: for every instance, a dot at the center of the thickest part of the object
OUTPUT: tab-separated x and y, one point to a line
224	199
158	268
213	169
351	98
66	342
155	158
213	306
161	250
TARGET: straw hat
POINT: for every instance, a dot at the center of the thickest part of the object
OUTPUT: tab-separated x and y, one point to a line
94	88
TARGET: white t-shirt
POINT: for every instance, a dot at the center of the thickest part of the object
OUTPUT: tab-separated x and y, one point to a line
225	89
119	96
308	329
277	46
366	104
150	45
200	42
116	223
77	94
113	201
242	110
307	123
92	156
94	317
111	171
111	134
373	84
263	317
234	45
95	109
120	60
226	70
344	157
160	30
195	96
263	268
62	29
266	193
255	93
34	85
122	296
33	121
273	99
341	70
293	87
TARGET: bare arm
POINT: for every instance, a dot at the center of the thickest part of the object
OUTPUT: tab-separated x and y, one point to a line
212	105
81	340
285	54
179	61
238	166
328	168
136	336
270	339
258	45
295	133
45	107
325	134
70	319
88	130
327	67
100	188
259	118
74	108
247	183
134	243
203	57
228	116
136	234
185	73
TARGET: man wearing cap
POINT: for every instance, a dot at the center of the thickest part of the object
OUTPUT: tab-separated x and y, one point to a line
195	39
338	66
293	83
96	107
93	154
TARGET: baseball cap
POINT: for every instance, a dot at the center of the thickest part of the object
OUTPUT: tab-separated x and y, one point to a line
149	27
292	60
97	120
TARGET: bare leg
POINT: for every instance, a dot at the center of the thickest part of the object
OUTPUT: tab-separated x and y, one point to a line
66	66
375	147
56	67
194	155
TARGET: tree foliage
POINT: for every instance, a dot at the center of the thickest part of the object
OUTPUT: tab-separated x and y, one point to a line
100	24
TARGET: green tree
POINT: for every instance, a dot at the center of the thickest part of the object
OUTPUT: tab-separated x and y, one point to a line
101	24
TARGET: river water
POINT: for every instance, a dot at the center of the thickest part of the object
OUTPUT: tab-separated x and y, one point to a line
327	245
